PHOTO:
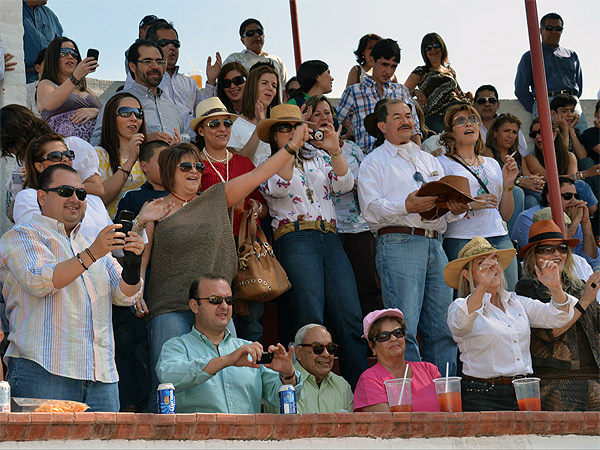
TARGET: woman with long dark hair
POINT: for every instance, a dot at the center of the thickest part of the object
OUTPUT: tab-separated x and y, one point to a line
230	86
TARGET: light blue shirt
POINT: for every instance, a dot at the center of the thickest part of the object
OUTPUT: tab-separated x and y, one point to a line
234	390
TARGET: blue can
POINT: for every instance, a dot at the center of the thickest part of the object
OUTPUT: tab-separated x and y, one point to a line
287	399
166	398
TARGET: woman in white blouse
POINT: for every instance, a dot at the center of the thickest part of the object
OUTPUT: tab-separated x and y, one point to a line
492	326
306	240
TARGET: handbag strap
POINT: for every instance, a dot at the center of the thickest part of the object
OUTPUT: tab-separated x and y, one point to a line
481	183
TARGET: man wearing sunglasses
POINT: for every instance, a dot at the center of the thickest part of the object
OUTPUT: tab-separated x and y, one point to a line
562	66
212	371
60	287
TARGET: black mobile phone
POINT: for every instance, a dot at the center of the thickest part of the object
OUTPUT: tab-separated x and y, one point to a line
125	218
93	53
266	358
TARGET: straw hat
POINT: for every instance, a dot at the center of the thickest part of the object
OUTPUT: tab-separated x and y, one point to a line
546	214
370	318
475	248
545	230
280	114
210	107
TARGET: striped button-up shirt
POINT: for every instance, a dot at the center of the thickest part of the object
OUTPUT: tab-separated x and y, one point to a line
67	331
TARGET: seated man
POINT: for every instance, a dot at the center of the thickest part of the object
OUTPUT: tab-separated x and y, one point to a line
214	372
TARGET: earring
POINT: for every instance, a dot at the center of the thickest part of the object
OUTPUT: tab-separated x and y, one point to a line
374	353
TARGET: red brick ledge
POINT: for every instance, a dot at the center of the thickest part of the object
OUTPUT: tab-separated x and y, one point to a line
58	426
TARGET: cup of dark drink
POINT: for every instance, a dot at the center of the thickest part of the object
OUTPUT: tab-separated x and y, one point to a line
448	394
527	391
399	394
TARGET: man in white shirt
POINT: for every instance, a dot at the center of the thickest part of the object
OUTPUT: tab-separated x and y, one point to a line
410	258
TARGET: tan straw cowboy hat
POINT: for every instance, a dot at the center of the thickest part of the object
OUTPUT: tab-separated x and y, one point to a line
210	107
280	114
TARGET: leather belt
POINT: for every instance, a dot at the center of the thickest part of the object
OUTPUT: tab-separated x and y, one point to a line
432	234
497	380
319	225
564	91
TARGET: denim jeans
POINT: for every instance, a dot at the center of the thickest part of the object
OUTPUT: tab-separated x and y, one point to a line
29	379
511	273
323	290
411	271
481	396
519	206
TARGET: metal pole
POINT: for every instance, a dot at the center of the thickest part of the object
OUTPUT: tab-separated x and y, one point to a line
295	33
541	94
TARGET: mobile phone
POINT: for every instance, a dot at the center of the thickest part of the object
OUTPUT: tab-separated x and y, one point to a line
266	358
17	178
125	218
93	53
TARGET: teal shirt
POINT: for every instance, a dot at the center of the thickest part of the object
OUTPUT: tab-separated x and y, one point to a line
234	390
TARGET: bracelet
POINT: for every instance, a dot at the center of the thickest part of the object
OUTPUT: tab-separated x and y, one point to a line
81	262
138	224
127	172
260	208
470	207
507	189
89	253
579	175
335	155
294	144
74	80
560	305
289	149
580	308
284	378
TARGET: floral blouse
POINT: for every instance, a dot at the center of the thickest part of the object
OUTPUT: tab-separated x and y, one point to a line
308	195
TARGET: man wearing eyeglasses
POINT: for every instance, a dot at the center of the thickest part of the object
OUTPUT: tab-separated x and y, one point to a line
212	371
562	67
59	287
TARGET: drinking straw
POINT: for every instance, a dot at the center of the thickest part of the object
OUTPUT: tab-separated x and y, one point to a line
403	383
192	65
447	370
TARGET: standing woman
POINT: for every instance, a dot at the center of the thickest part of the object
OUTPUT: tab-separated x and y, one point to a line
363	58
436	82
63	99
315	79
230	86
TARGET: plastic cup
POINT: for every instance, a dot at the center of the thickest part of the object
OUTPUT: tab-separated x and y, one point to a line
198	79
400	400
527	391
448	394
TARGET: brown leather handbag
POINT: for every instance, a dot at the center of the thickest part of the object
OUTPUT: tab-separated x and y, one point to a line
260	277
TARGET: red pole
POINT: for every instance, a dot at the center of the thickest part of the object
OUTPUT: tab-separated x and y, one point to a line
295	33
541	94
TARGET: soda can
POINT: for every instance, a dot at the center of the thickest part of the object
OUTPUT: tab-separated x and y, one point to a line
4	396
166	398
287	399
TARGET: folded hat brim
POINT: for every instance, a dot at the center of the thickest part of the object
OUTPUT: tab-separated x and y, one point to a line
452	271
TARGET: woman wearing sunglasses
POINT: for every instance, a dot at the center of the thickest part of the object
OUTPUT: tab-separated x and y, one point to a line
384	330
566	359
492	326
63	99
436	81
491	186
230	86
123	131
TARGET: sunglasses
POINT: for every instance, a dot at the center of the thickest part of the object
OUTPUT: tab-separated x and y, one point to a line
58	156
187	166
251	33
217	299
418	177
461	121
533	134
429	47
490	100
285	128
239	80
550	249
165	42
68	191
551	28
127	111
319	348
385	336
214	124
64	52
570	195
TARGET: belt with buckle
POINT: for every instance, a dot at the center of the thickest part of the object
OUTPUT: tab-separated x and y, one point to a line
564	91
319	225
497	380
431	234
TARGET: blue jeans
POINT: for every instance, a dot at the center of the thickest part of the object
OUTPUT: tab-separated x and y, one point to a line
519	206
411	271
594	182
453	246
29	379
323	289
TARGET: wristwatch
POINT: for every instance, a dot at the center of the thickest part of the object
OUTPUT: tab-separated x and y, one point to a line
518	180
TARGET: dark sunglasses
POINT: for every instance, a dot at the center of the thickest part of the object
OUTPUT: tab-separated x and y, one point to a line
67	191
251	33
217	299
533	134
165	42
461	121
214	124
551	28
187	166
429	47
490	100
319	348
285	128
127	111
239	80
64	52
58	156
418	177
385	336
550	249
570	195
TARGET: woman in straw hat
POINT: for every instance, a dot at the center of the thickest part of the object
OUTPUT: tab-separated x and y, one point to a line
492	326
305	238
566	359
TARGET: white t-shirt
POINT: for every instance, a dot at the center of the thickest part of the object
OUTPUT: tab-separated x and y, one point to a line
240	134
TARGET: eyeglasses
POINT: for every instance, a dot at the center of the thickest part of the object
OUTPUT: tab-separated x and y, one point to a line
214	124
319	348
285	128
165	42
551	28
533	134
240	79
148	61
490	100
429	47
58	156
418	177
461	121
570	195
385	336
217	299
64	52
550	249
127	111
251	33
187	166
67	191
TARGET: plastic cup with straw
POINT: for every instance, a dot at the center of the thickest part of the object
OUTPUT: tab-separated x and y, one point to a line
196	77
399	393
448	392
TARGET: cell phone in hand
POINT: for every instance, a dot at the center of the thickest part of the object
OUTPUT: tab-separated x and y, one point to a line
266	358
125	218
92	52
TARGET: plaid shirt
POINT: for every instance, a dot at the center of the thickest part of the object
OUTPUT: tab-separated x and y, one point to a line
360	99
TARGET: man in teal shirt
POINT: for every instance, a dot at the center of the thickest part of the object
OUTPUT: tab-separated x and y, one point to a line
214	372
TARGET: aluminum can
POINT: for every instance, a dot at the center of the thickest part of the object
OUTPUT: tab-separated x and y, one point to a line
4	396
166	398
287	399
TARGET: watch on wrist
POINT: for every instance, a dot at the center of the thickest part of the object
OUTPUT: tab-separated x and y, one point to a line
518	180
74	80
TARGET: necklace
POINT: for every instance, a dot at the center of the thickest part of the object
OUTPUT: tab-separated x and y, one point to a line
209	156
310	194
226	161
185	202
475	161
475	168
